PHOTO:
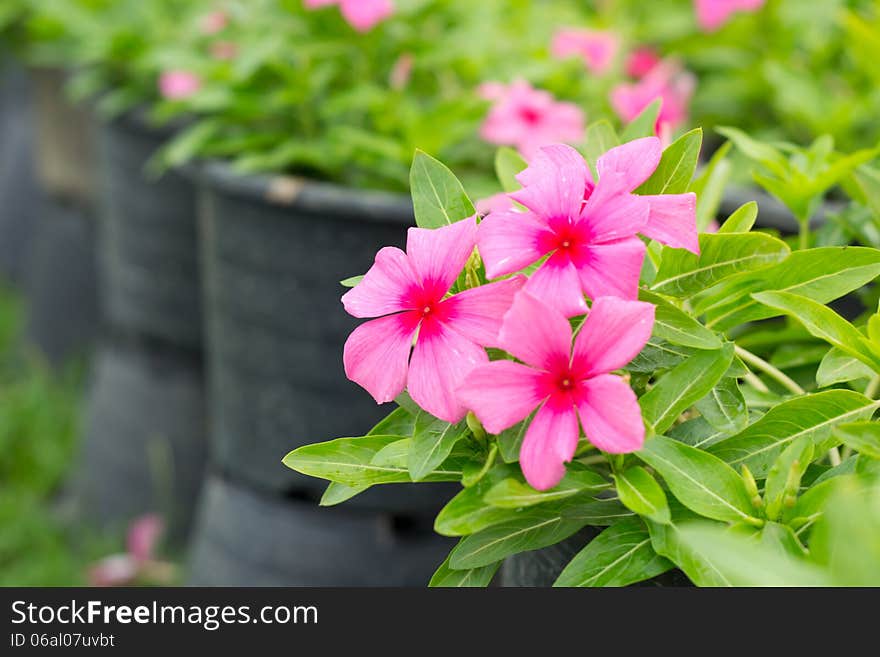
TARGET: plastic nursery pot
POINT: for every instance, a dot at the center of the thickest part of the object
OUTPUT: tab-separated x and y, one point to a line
64	139
144	445
18	185
274	251
304	545
149	250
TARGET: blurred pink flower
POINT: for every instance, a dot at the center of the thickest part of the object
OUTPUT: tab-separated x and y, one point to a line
641	61
401	71
406	291
712	14
597	48
214	22
528	118
139	561
178	84
587	230
362	15
666	81
224	50
563	384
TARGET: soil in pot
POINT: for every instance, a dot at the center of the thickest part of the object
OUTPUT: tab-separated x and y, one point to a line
246	538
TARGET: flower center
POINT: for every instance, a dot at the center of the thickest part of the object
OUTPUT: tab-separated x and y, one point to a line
426	311
529	115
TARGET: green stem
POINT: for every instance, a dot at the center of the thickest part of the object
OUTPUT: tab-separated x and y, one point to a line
804	235
873	387
777	375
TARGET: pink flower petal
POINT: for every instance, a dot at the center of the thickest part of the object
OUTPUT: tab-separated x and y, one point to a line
615	216
143	536
612	268
115	570
494	203
502	393
597	48
441	360
364	15
438	255
627	166
376	354
610	415
550	441
557	282
535	333
613	334
673	220
477	313
389	286
554	183
509	241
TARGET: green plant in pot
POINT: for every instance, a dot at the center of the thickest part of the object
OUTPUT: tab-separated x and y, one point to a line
633	397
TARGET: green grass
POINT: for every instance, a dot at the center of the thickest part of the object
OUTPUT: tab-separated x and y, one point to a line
39	419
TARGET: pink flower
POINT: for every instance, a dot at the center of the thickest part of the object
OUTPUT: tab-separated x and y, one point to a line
666	81
641	61
177	84
224	50
139	561
214	22
528	118
597	48
587	229
407	292
401	71
712	14
562	383
362	15
494	203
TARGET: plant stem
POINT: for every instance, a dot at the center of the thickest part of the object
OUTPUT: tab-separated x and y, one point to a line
756	383
774	373
873	387
804	235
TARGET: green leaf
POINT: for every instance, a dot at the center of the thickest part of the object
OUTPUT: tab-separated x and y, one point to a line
338	493
700	481
643	125
600	138
511	493
709	186
508	163
676	326
722	255
825	324
641	493
742	219
596	513
351	281
811	504
838	367
399	422
742	560
510	440
349	461
432	441
767	155
784	477
863	437
467	513
684	385
725	407
619	556
813	415
531	529
438	197
446	577
677	165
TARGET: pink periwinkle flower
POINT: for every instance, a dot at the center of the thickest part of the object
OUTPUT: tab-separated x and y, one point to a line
214	22
562	383
596	47
362	15
641	61
528	118
494	203
666	81
178	84
586	229
712	14
224	50
407	292
139	561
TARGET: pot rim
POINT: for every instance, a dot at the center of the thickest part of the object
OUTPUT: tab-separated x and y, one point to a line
306	194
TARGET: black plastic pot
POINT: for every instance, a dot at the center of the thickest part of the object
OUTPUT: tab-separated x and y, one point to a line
144	438
18	185
149	252
303	545
274	251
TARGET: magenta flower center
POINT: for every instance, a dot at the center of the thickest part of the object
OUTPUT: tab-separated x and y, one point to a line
530	115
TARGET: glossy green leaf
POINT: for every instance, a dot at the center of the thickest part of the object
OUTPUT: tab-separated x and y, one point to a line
677	165
336	493
677	327
432	441
512	493
643	125
641	493
508	163
741	220
619	556
703	483
438	197
447	577
601	137
725	407
709	186
467	513
784	476
863	437
596	513
839	367
684	385
351	281
813	415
